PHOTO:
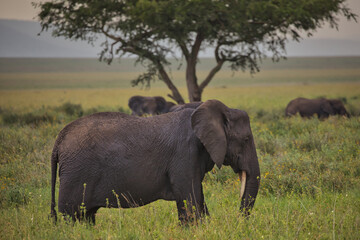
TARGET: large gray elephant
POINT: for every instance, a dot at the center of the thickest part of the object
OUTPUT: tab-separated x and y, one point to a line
321	106
118	160
141	105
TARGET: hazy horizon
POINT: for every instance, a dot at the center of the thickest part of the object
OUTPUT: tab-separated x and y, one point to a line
325	42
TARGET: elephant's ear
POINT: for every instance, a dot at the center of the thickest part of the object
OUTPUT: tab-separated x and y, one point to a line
208	122
134	102
160	103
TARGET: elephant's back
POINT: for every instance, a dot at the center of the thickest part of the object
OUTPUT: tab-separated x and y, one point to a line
299	100
84	124
103	131
82	134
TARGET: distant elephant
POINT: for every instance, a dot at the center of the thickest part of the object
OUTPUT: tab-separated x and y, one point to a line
141	105
168	106
180	107
321	106
118	160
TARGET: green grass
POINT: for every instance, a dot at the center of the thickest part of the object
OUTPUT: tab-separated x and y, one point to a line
309	189
324	216
310	169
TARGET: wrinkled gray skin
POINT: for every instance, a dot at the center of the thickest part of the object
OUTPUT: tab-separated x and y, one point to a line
180	107
142	160
141	105
321	106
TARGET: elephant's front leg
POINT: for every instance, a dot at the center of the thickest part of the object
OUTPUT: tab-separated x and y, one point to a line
204	209
190	204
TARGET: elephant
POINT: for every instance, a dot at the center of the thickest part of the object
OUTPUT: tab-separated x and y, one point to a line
117	160
141	105
321	106
180	107
168	106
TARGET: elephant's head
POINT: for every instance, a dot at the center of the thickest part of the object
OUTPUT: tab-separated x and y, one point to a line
167	107
160	104
338	107
227	137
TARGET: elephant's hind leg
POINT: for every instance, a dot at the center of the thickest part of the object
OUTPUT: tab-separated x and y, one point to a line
90	215
69	212
76	213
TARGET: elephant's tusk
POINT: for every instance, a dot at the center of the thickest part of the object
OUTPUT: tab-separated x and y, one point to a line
242	177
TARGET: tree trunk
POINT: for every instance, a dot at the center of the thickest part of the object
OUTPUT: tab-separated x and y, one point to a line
175	92
194	90
191	81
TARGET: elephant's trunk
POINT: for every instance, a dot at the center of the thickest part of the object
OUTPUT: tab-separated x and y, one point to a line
249	197
250	182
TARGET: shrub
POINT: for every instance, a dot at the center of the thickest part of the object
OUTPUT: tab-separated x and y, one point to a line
353	111
15	196
222	175
72	109
267	145
27	118
10	118
268	116
124	110
12	194
91	111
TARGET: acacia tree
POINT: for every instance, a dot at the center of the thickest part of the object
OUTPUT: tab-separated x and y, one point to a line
240	32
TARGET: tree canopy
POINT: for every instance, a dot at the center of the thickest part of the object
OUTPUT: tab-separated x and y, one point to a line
240	32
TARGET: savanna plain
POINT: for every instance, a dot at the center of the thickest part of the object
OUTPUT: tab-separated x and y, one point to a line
310	169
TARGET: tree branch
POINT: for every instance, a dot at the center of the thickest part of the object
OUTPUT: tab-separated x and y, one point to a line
196	46
129	47
211	75
119	39
165	77
217	55
220	61
183	48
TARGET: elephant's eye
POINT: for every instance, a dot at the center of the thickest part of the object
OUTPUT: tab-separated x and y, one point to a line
246	139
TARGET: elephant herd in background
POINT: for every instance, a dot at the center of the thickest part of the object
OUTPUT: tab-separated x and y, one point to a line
321	107
112	159
141	105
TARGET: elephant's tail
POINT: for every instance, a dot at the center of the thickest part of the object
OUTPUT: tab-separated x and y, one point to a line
54	162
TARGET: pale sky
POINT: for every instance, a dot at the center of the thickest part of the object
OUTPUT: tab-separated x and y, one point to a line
23	10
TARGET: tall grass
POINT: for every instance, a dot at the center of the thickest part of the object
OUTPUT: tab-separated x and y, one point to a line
310	169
